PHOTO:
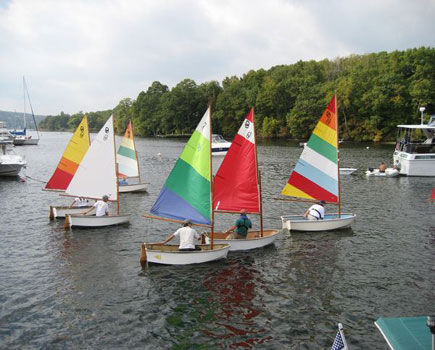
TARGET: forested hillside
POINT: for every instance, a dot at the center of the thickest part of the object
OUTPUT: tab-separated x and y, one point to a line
375	93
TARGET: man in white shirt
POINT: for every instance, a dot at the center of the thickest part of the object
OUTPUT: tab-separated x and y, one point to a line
101	207
186	234
316	211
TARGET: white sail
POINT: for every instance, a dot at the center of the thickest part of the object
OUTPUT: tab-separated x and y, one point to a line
96	175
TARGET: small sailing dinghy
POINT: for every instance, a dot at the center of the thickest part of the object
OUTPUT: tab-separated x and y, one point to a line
317	176
238	187
67	167
95	178
187	194
128	164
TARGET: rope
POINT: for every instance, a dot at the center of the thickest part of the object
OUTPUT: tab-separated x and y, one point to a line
37	180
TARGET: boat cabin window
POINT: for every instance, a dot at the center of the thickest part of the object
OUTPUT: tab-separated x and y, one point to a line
416	140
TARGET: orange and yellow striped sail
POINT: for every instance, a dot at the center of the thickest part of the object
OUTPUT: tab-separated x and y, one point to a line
71	158
316	173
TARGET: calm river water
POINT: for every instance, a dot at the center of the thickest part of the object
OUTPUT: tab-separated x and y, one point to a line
85	288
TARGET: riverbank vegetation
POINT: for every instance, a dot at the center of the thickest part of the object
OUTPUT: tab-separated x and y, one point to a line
375	93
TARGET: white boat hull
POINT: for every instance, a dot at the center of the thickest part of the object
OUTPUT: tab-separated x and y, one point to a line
95	221
25	142
416	164
10	169
389	172
347	171
141	187
330	222
61	211
253	241
159	253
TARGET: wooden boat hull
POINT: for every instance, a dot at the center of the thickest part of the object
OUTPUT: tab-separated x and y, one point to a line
61	211
78	220
330	222
141	187
159	253
253	241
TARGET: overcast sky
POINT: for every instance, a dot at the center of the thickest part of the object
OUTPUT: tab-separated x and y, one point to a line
87	55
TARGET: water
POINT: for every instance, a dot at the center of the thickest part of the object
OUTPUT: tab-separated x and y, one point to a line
85	288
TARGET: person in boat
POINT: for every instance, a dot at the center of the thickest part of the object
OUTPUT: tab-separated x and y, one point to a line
80	202
122	182
397	165
316	211
187	235
382	167
101	207
241	227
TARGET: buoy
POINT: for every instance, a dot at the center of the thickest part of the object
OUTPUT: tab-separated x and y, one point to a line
368	147
143	255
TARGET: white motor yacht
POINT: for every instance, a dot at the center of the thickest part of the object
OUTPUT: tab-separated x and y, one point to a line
10	162
219	146
415	149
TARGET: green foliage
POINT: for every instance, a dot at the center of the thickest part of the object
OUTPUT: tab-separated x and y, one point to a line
375	93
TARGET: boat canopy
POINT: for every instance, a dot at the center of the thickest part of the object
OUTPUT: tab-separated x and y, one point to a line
405	332
417	126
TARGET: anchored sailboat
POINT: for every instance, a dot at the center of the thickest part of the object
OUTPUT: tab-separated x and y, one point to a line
238	187
187	194
21	137
67	167
317	176
95	178
128	163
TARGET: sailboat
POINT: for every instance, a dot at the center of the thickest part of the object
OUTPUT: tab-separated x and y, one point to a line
187	194
67	167
21	137
95	178
128	164
237	186
317	176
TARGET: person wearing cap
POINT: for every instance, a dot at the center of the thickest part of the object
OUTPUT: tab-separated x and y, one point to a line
187	235
316	211
101	207
241	227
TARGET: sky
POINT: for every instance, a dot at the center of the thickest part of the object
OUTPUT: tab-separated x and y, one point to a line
87	55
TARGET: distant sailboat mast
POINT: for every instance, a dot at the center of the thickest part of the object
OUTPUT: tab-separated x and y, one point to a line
31	107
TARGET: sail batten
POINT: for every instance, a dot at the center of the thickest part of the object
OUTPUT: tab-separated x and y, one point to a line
186	192
316	173
236	181
71	158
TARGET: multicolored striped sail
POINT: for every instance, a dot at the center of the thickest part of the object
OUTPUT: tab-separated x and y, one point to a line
127	156
316	173
71	158
236	181
186	193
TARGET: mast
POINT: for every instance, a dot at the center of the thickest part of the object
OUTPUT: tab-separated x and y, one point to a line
211	182
116	167
24	101
338	155
135	149
260	203
31	107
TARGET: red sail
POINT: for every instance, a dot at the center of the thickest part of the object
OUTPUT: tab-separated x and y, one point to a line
432	197
236	182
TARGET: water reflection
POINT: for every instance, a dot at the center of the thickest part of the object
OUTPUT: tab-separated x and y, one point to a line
234	290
